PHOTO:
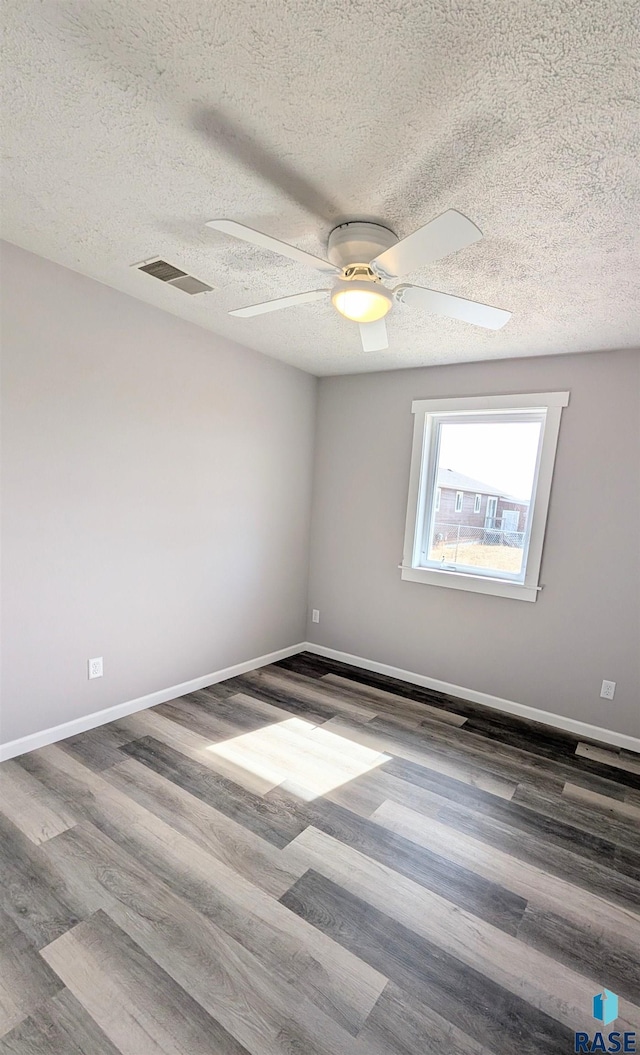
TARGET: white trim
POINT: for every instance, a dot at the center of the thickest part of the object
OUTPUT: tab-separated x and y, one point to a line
415	522
428	415
121	710
458	508
459	580
477	503
541	494
496	703
516	401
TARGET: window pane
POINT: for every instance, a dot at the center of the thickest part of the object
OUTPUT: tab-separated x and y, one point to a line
485	474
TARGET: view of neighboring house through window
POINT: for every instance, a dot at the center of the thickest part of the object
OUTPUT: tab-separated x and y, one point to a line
493	460
476	490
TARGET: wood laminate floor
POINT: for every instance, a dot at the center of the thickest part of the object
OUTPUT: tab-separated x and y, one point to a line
316	860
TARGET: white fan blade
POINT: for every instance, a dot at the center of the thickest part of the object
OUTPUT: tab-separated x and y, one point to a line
443	236
374	336
265	241
452	307
282	302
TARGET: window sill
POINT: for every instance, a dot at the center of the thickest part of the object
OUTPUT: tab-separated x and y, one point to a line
474	583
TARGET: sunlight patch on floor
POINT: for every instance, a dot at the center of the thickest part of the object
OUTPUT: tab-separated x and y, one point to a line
300	757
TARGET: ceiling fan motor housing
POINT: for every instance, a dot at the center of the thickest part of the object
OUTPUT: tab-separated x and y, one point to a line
358	243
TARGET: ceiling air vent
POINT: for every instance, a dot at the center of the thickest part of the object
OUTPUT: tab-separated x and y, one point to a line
173	276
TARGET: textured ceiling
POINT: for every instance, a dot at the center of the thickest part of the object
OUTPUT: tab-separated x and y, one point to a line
127	125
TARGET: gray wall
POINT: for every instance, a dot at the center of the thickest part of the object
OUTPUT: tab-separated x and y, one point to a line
156	497
156	488
584	627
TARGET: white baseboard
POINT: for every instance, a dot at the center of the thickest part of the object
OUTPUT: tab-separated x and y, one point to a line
556	721
121	710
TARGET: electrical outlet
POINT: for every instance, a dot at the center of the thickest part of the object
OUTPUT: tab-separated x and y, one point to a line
95	668
607	692
315	616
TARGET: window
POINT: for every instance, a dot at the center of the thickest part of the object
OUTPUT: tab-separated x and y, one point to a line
502	446
492	508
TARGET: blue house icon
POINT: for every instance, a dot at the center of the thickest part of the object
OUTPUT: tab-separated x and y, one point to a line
605	1007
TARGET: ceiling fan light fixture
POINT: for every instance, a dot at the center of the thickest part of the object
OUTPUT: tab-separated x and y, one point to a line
361	301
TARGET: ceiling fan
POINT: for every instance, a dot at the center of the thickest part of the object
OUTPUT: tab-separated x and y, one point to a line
362	258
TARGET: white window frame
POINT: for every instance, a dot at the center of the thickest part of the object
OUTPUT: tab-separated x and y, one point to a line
477	505
428	414
438	496
458	507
